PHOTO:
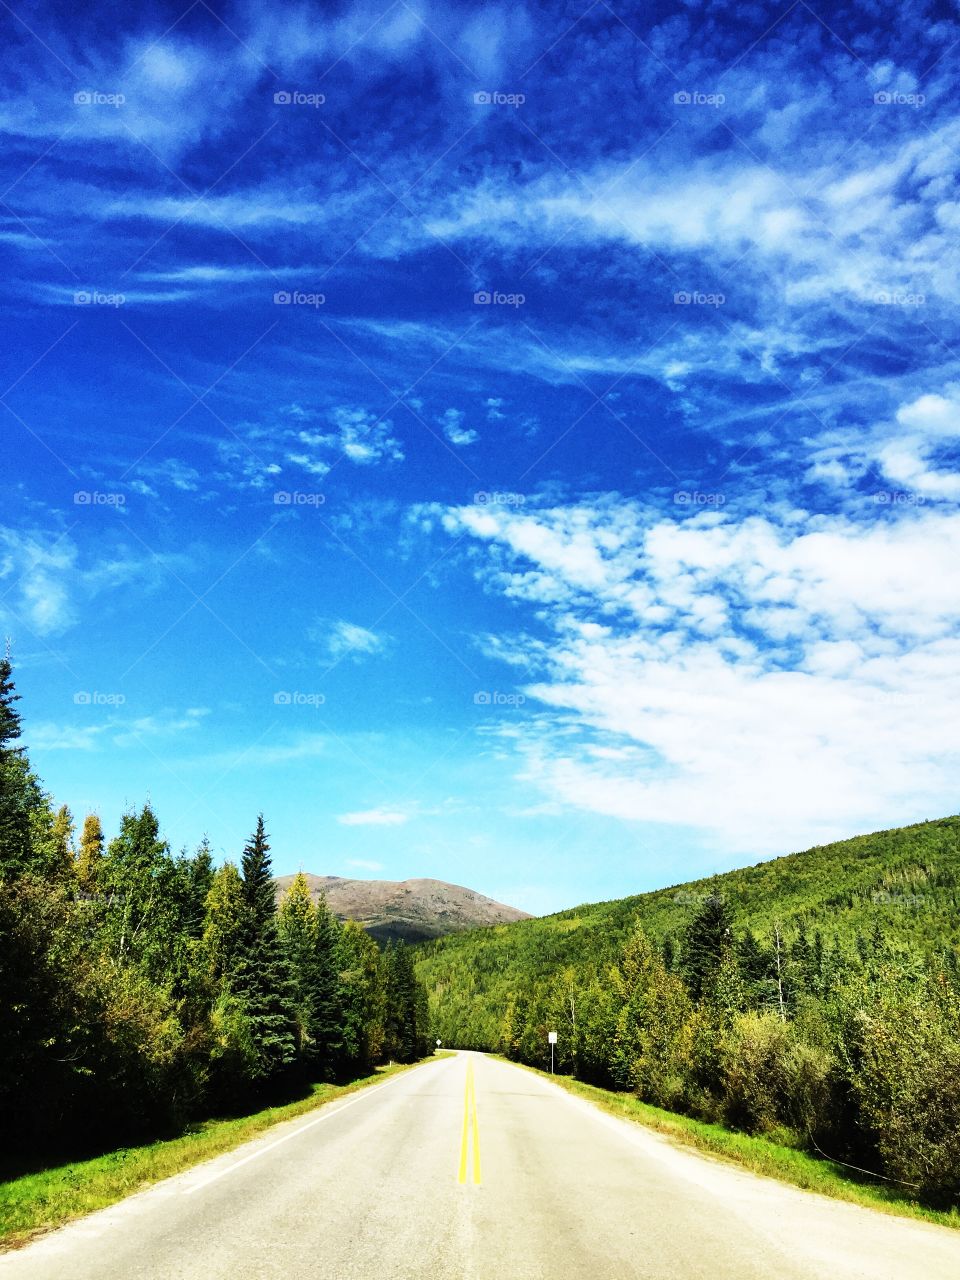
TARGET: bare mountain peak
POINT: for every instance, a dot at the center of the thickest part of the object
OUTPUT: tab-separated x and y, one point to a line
414	909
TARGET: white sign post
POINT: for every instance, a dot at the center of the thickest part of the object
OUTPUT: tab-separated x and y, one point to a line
439	1042
551	1040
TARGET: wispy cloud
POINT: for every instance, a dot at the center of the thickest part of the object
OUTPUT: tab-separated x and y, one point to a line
776	680
342	639
373	818
451	422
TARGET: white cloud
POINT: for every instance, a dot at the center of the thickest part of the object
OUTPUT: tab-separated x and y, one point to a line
44	581
451	421
928	424
373	818
365	864
359	435
777	681
912	452
40	570
113	725
343	639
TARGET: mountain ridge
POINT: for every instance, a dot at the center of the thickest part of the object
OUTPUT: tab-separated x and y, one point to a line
906	879
413	910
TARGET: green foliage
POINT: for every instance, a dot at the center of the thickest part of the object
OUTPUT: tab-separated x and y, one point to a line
90	856
138	990
406	1032
363	997
815	999
24	810
260	977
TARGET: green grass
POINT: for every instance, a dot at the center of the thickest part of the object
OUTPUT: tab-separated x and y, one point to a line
760	1155
40	1201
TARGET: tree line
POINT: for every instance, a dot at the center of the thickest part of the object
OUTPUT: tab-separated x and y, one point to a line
851	1053
141	990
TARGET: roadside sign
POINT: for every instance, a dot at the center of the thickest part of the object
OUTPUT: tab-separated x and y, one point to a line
551	1037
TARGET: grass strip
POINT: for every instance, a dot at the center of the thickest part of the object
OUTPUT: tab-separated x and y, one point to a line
38	1202
760	1155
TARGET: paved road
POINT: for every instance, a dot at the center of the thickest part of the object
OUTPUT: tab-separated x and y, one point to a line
471	1169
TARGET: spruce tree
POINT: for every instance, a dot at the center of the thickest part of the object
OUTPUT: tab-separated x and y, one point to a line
262	980
20	794
707	941
326	1001
406	1012
197	882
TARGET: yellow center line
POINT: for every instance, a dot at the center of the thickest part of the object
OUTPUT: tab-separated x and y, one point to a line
470	1124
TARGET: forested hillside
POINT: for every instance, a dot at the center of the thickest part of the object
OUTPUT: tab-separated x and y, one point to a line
815	997
140	989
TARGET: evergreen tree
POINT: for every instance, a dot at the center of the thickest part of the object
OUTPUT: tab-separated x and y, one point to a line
297	927
326	1009
262	981
138	878
20	794
406	1026
708	940
754	964
362	997
90	856
197	881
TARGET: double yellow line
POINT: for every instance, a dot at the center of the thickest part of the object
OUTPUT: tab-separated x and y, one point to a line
470	1125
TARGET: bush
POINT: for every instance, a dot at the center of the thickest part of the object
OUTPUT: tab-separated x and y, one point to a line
771	1077
905	1067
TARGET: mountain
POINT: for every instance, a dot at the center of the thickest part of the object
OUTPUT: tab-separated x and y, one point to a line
413	910
905	880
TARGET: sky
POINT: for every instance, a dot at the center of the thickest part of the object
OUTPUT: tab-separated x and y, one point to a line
512	444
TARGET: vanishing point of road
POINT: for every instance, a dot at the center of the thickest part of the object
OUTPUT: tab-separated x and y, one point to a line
469	1168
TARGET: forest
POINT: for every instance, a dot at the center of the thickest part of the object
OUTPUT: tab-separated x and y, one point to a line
142	990
814	999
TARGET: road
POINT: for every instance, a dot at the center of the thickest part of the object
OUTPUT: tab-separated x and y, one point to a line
472	1169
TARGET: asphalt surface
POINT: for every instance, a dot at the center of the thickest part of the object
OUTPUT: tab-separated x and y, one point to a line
473	1169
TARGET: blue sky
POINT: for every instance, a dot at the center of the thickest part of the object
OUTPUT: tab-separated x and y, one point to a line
516	445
